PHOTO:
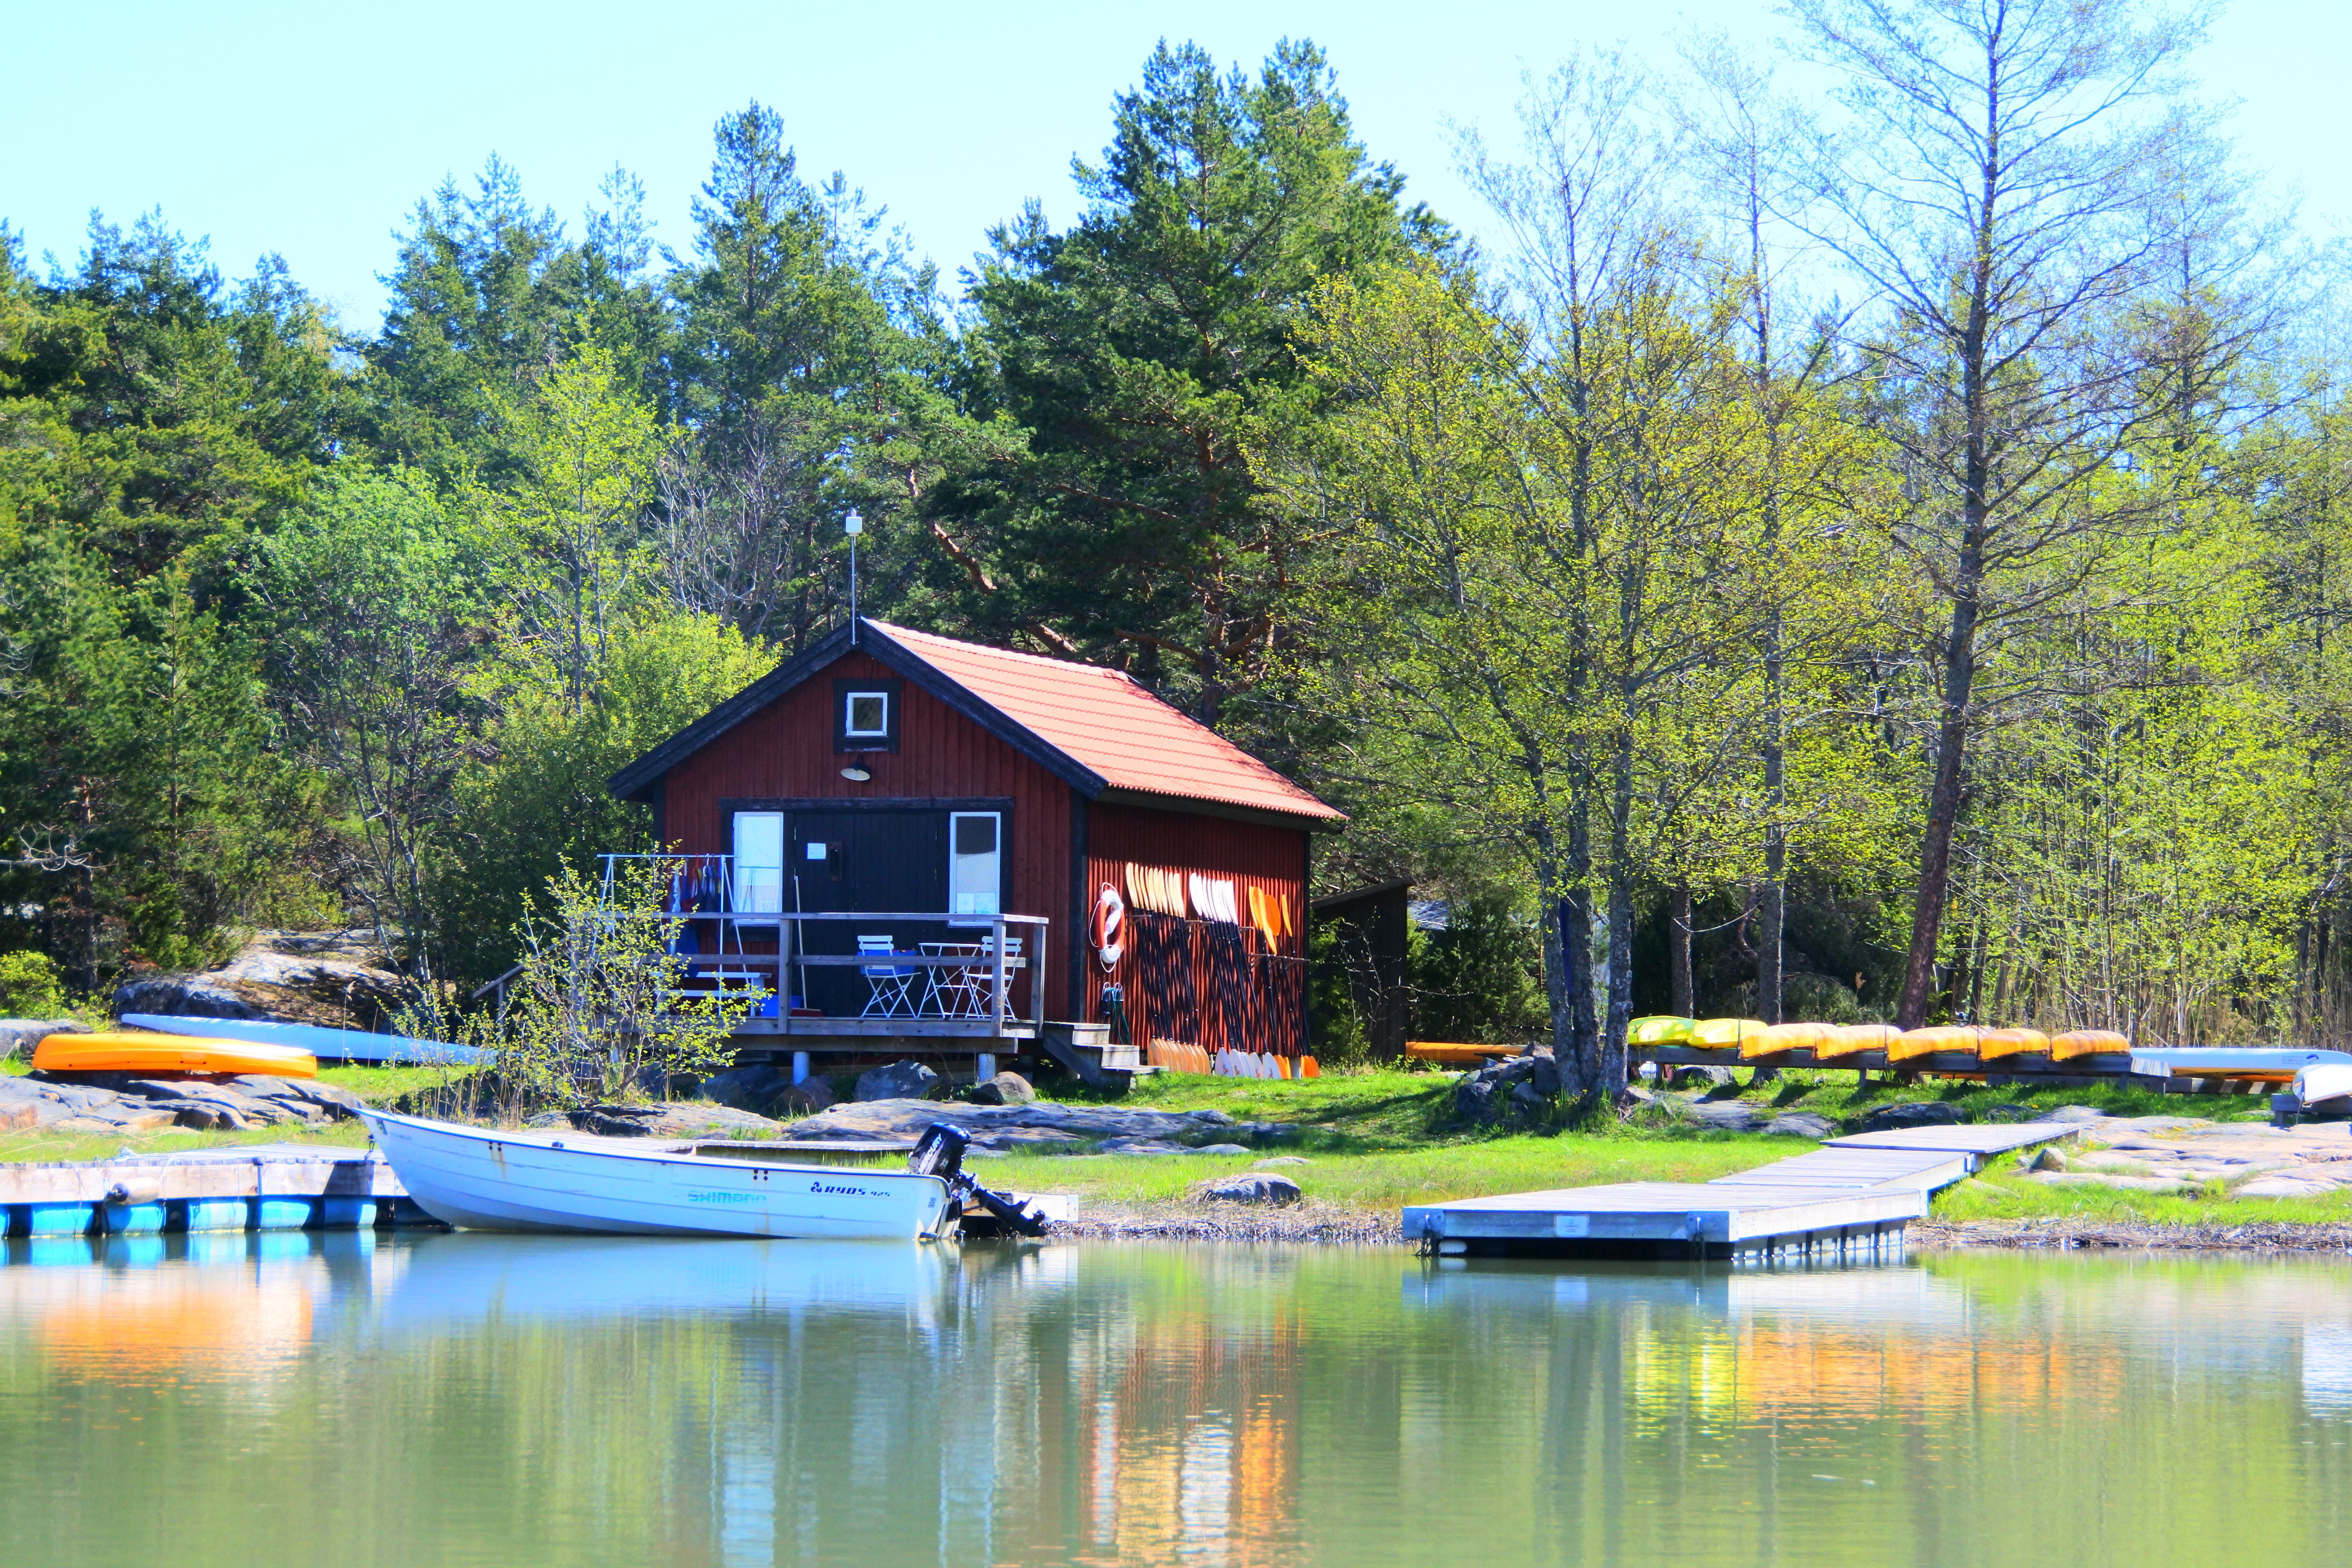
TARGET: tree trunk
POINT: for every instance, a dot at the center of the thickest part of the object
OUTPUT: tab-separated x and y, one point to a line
1618	1003
1943	796
1679	952
1576	935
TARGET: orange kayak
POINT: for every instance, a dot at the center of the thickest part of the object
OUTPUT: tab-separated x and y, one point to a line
170	1056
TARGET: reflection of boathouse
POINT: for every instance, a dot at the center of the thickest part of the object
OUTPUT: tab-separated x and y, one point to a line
932	846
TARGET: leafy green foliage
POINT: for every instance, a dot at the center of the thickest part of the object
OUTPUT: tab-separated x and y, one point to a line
1142	350
30	986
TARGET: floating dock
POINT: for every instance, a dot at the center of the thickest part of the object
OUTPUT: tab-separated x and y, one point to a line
1851	1197
270	1186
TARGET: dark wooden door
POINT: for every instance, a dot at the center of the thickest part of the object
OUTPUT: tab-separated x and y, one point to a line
885	862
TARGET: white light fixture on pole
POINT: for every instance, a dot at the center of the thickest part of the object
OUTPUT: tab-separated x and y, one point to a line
853	525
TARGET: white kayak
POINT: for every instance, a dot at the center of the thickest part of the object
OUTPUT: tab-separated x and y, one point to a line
484	1179
2221	1061
2325	1084
327	1044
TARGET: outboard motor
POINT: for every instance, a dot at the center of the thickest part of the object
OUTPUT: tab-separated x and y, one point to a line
939	1152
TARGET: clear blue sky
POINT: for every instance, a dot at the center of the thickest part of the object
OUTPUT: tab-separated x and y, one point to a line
311	130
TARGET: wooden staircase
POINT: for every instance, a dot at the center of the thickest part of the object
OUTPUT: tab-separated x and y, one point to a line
1085	1050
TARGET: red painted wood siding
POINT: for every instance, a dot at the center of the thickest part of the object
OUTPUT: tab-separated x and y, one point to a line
784	752
1271	859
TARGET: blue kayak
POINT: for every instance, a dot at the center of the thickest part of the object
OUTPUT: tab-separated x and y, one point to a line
327	1044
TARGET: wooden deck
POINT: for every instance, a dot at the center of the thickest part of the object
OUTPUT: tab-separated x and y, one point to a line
1850	1197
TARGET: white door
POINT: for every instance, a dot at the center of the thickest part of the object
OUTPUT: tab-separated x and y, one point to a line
760	862
975	861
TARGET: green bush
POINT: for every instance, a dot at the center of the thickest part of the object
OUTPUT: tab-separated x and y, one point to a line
29	987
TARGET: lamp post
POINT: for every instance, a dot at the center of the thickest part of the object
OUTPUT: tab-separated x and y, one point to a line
853	525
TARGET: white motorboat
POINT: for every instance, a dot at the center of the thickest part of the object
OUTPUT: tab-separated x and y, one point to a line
2326	1087
485	1179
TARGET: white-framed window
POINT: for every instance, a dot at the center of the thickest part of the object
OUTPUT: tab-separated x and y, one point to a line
866	715
758	862
975	861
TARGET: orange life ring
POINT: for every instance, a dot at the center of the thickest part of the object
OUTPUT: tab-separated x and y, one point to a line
1108	926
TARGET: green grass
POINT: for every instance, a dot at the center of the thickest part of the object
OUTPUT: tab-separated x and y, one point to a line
1384	1180
50	1146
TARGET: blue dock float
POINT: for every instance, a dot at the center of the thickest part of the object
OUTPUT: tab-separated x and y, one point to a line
260	1187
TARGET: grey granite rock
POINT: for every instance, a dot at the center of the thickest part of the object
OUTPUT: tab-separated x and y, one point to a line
1800	1124
1005	1089
1249	1187
900	1080
306	978
1912	1113
24	1034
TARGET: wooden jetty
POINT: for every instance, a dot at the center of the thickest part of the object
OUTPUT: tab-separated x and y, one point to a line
1852	1197
262	1187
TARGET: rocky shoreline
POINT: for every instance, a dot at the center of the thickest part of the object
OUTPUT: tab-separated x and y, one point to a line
1306	1223
1320	1225
2075	1235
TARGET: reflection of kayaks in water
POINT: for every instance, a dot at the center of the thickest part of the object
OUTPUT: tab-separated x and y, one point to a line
333	1045
485	1179
169	1055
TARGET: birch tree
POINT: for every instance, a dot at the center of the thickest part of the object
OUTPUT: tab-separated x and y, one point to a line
1989	185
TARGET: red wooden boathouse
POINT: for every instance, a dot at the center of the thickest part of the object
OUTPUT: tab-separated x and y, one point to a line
893	772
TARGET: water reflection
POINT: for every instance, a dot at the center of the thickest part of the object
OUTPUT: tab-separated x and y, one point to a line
477	1399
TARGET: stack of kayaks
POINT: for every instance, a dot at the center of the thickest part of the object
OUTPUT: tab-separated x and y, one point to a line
1750	1038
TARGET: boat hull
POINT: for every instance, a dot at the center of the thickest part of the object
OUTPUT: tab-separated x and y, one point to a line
2325	1087
169	1056
479	1179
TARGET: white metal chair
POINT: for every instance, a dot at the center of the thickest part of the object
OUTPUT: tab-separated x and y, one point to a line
889	987
982	974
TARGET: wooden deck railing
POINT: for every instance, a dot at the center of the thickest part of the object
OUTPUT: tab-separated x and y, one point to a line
792	957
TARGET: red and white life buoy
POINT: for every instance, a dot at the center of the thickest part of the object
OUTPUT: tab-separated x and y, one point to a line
1108	927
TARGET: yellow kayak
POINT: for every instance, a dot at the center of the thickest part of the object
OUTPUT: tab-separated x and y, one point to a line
1726	1031
1775	1037
1851	1039
170	1056
1933	1041
2087	1043
2013	1043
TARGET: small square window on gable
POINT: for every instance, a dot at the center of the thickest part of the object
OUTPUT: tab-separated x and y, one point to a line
866	715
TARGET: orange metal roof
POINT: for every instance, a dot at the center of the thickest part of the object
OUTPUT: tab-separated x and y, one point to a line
1102	720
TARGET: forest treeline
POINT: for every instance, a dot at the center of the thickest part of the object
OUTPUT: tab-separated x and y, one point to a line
1866	557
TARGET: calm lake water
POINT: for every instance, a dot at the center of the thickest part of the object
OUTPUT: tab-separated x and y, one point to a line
470	1399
